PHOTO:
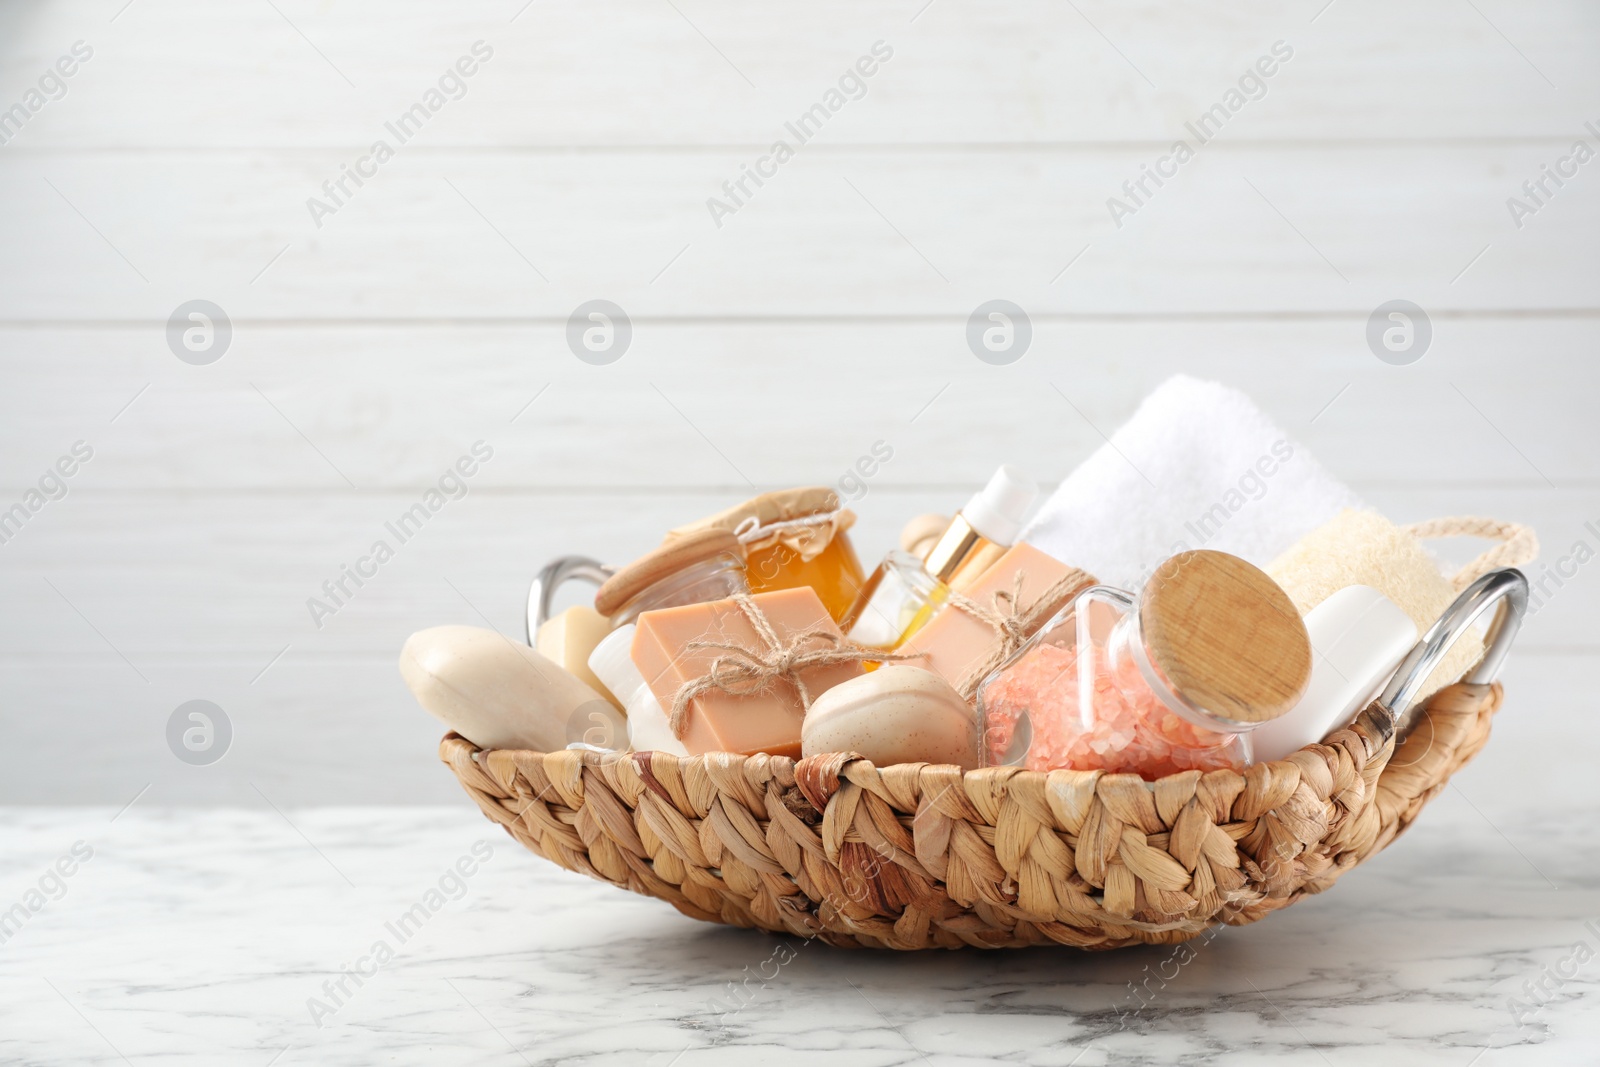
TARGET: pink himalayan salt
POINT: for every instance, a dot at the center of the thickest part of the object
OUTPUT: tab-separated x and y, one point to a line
1131	732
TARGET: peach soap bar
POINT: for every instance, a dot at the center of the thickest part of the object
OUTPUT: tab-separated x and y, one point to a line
764	721
953	643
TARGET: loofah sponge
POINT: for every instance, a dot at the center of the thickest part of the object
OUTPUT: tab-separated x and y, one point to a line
1364	548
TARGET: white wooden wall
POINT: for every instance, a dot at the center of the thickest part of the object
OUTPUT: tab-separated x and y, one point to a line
826	314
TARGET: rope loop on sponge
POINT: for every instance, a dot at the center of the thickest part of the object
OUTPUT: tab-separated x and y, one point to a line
1517	543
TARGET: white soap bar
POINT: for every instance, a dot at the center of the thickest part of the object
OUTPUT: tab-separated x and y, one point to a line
895	714
570	638
1358	638
499	693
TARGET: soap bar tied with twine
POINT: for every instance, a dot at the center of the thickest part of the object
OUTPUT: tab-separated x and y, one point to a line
742	671
1012	624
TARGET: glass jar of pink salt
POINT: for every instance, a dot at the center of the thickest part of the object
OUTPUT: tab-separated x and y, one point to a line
1169	680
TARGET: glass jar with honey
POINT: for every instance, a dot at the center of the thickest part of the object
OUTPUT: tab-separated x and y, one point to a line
792	538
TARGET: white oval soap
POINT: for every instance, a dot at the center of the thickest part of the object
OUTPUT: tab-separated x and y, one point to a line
499	693
895	714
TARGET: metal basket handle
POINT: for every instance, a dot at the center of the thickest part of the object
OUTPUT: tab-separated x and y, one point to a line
556	573
1394	713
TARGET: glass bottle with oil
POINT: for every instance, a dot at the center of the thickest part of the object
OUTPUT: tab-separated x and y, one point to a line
905	592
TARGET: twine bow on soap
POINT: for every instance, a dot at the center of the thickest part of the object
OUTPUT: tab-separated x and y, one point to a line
742	671
1013	625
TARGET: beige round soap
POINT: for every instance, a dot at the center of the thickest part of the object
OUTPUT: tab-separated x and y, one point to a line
499	693
895	714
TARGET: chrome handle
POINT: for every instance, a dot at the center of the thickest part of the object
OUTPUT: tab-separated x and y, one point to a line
556	573
1508	588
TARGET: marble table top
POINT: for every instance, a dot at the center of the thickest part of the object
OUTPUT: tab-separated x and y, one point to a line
278	938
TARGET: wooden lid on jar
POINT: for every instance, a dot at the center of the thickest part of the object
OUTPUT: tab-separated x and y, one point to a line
1225	636
650	568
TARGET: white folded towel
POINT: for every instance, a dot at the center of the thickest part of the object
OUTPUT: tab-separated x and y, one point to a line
1198	466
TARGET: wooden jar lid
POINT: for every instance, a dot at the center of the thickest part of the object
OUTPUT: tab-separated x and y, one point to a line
1226	637
663	562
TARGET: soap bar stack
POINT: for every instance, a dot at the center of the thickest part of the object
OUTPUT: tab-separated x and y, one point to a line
1199	592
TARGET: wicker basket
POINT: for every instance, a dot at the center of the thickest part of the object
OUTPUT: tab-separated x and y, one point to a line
919	856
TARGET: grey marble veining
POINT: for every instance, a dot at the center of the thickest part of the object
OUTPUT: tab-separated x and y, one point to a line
221	937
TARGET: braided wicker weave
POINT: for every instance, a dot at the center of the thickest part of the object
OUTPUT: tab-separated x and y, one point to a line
918	856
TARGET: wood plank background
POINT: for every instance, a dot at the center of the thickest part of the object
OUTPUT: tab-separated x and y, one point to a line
828	313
